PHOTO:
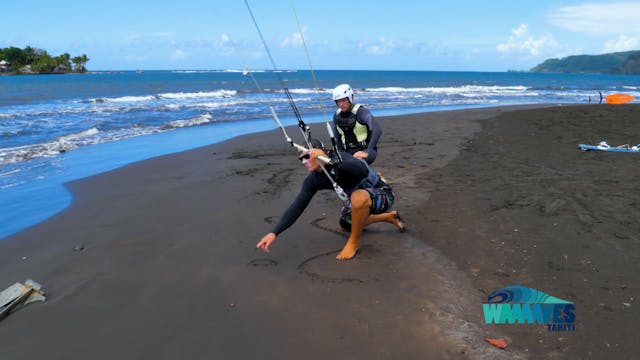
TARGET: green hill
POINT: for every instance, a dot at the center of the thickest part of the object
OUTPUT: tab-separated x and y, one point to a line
627	62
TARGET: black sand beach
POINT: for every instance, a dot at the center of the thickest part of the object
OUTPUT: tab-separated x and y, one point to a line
491	197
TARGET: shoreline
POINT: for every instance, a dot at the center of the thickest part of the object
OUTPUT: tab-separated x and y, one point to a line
194	132
206	240
187	223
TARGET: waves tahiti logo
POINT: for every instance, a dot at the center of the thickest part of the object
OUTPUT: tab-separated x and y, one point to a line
519	305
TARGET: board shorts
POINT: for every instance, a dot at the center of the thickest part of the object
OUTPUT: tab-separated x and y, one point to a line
381	201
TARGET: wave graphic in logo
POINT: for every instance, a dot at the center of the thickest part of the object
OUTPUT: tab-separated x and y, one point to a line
523	295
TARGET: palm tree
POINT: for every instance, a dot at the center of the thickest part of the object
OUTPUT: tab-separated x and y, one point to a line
62	63
79	63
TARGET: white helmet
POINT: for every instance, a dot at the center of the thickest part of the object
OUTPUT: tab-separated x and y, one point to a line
343	91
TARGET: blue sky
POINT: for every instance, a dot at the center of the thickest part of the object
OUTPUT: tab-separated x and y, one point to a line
397	35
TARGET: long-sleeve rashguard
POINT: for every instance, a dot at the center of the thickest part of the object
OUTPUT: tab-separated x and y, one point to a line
348	175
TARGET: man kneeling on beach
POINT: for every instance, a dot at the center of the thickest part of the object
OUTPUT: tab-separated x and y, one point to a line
369	198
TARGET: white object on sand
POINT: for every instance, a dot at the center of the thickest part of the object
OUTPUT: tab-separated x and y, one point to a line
18	294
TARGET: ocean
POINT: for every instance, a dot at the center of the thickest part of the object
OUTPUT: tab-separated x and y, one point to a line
59	128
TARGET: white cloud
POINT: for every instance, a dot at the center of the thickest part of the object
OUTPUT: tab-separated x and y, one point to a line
599	18
381	46
150	39
135	58
294	39
622	43
521	31
224	45
520	41
178	54
162	34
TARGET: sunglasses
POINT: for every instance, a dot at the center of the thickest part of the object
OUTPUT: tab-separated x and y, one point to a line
304	157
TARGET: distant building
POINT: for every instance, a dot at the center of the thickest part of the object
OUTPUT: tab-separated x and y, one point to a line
5	66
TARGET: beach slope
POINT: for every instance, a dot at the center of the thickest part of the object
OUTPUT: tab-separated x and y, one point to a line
492	197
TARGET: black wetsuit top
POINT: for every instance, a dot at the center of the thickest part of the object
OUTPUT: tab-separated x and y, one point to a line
348	175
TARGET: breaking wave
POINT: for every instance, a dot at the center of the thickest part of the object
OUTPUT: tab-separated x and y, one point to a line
171	96
202	119
60	145
90	136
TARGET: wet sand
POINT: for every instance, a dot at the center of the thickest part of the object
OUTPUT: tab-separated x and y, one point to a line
492	197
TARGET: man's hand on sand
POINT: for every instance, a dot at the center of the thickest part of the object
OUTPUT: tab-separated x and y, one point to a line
266	242
361	155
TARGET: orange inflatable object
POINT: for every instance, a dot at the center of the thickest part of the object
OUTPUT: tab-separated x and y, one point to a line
618	98
499	343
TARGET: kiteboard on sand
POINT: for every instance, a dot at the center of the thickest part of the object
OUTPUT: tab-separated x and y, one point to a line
618	98
603	146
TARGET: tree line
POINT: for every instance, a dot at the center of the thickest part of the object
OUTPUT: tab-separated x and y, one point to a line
37	61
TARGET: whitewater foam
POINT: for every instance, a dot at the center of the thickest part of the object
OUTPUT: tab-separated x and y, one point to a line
202	119
10	172
309	91
465	89
199	94
66	143
123	99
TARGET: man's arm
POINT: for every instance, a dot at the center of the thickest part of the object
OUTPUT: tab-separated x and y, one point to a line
365	117
312	183
290	215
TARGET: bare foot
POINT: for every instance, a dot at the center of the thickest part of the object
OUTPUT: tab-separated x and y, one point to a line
348	252
397	221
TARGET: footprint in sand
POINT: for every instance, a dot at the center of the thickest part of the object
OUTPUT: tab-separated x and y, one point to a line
263	263
325	268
